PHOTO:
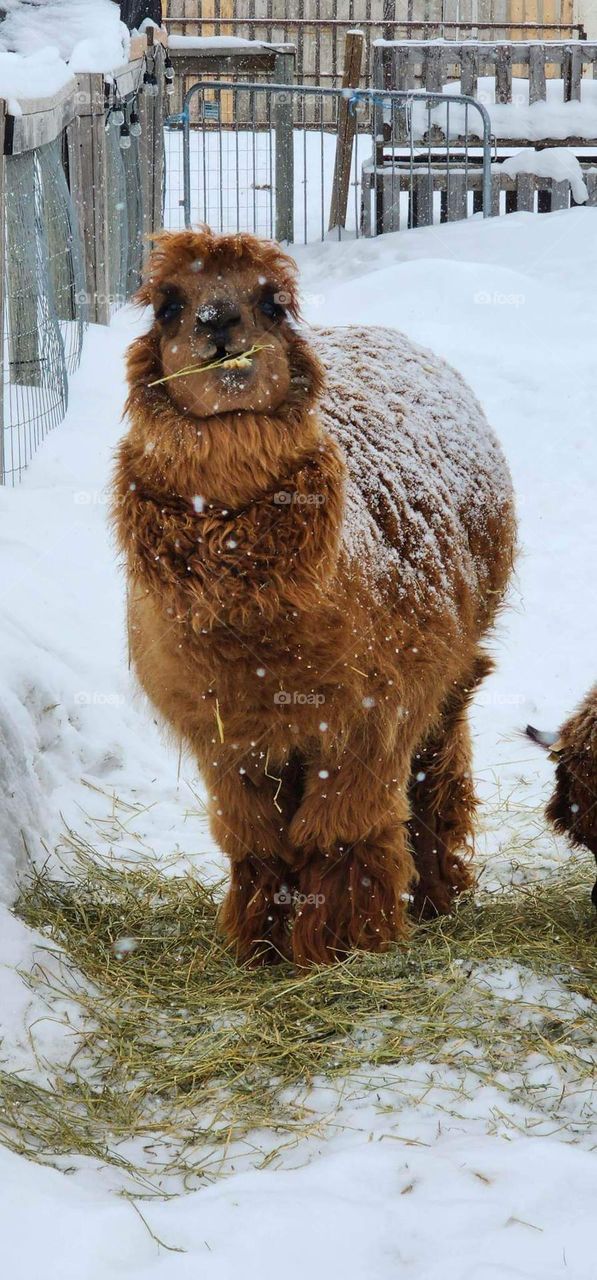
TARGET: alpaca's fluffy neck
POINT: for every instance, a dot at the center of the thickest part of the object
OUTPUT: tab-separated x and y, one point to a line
230	459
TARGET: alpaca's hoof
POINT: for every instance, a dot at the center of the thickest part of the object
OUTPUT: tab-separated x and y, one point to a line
435	896
432	900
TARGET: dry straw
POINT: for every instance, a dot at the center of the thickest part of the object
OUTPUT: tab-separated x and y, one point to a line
183	1052
240	361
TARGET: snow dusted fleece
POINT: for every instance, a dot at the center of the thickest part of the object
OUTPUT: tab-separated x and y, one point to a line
317	541
422	460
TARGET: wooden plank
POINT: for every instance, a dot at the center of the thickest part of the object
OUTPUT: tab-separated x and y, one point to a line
402	69
537	88
567	12
151	112
432	69
503	74
353	56
421	201
22	285
41	120
75	186
158	158
146	149
88	138
468	73
572	73
377	73
2	285
591	181
283	113
544	199
517	14
525	192
457	198
137	46
390	209
366	201
560	195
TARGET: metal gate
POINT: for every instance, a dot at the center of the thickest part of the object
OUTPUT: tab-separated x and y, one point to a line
388	160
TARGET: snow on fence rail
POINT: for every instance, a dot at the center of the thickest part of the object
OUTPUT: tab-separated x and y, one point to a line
513	79
81	182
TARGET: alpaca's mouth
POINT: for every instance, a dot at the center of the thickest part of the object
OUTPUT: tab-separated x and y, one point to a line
224	360
231	360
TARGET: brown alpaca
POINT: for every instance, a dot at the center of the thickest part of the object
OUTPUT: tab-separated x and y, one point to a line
316	540
572	809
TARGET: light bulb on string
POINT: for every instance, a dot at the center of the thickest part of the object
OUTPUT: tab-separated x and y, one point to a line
150	85
134	125
125	137
117	116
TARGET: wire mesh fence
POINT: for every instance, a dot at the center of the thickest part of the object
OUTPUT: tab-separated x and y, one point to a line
45	311
47	288
385	160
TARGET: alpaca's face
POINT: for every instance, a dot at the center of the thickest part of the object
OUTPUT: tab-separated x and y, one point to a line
206	313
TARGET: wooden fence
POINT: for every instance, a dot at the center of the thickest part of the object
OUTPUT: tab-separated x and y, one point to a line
429	65
318	28
81	184
413	65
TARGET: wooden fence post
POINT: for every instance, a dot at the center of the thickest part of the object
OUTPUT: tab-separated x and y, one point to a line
151	147
21	271
88	158
2	198
283	116
353	56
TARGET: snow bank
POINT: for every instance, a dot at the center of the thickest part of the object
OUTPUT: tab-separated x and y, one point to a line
73	728
518	119
55	39
559	163
38	75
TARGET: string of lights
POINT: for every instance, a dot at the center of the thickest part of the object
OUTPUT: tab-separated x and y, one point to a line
122	112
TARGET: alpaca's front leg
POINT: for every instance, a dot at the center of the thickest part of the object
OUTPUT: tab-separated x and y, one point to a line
356	868
248	810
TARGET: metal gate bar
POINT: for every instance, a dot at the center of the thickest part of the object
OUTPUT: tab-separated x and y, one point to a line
245	154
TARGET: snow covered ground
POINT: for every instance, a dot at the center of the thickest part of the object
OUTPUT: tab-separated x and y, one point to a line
411	1180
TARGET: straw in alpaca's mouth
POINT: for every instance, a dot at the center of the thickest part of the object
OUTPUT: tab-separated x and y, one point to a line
234	360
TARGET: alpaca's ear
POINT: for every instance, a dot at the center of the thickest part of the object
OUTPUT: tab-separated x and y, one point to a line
167	246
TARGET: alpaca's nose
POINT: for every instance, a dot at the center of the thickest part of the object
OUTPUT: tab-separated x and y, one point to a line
217	319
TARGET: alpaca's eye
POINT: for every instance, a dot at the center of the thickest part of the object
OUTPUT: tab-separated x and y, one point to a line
170	310
270	308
